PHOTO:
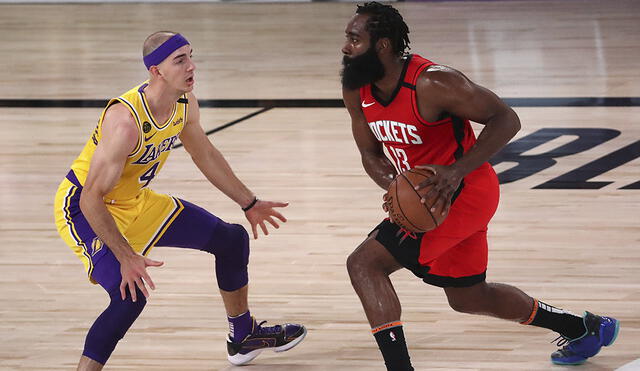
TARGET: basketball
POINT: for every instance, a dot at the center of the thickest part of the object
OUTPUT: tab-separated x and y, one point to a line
404	206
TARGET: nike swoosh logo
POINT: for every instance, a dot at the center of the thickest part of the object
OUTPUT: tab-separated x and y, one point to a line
146	139
365	105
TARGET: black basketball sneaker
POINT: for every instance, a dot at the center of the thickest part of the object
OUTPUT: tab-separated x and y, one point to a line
278	338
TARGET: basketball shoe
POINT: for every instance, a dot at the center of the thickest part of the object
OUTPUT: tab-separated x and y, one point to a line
277	338
601	331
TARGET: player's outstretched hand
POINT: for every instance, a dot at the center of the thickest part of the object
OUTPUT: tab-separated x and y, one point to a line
134	273
444	181
264	211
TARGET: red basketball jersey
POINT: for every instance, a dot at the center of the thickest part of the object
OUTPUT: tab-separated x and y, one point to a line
410	139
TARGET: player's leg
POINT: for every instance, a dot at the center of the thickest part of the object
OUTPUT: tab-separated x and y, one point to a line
198	229
114	322
103	268
369	266
586	334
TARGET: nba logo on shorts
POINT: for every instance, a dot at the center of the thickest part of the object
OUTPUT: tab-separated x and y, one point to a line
392	336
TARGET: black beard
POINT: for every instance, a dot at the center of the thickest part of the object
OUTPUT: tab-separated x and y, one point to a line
361	70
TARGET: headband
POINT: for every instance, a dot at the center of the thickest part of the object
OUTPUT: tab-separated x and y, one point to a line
163	51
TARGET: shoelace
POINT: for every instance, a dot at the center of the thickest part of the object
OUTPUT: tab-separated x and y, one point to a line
561	340
268	329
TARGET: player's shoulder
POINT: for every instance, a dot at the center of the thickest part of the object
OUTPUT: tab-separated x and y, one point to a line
441	81
440	76
120	118
118	112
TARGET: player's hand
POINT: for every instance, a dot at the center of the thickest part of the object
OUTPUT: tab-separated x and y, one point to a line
386	205
134	273
445	181
263	211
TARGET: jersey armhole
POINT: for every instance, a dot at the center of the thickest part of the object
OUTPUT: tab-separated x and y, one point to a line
185	101
136	119
414	98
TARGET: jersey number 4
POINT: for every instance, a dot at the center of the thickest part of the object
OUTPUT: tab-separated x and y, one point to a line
149	174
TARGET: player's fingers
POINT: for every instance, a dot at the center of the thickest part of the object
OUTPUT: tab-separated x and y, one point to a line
279	216
432	193
142	287
273	222
153	263
147	279
425	183
132	290
264	229
428	168
254	229
445	209
278	204
123	285
439	202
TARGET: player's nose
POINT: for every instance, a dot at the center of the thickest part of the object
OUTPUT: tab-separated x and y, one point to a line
346	50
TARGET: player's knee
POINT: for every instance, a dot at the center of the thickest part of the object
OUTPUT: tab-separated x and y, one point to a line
238	243
359	266
230	241
233	258
466	300
112	325
461	305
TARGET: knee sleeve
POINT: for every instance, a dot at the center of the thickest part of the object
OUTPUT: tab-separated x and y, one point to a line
112	325
230	245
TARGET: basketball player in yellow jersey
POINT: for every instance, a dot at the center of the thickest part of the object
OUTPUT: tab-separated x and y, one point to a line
110	218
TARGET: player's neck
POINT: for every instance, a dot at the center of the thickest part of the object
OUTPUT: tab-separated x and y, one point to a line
393	69
161	99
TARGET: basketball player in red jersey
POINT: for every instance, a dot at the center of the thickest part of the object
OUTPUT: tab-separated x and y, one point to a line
420	111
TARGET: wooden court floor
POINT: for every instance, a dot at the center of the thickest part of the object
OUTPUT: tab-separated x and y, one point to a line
573	248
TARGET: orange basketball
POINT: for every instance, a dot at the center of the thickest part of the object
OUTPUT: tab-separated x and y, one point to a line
405	208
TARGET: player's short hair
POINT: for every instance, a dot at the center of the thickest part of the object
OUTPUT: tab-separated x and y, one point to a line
153	41
386	21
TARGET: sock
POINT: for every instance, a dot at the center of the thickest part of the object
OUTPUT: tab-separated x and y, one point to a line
240	326
561	321
390	339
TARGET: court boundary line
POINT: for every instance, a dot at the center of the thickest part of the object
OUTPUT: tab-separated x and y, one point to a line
231	123
324	103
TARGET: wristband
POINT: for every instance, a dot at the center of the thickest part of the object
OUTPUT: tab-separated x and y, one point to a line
252	204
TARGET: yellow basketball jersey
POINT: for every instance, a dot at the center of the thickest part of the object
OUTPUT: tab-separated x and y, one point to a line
155	141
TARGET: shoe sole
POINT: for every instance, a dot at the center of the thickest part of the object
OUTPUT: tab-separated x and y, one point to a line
242	359
292	344
569	363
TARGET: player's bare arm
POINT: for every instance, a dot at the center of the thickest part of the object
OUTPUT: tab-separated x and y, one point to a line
217	170
375	162
119	138
443	89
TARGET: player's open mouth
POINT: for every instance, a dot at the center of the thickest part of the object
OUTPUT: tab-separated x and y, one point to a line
190	80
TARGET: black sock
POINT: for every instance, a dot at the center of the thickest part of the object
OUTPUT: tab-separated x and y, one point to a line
390	339
565	323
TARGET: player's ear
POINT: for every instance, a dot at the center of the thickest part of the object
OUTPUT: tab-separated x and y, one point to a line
383	45
155	71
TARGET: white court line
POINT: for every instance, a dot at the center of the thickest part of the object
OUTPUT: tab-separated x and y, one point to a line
631	366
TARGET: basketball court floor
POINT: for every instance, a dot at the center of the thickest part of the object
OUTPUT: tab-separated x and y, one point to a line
566	231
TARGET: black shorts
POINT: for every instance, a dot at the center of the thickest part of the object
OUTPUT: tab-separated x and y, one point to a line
405	249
